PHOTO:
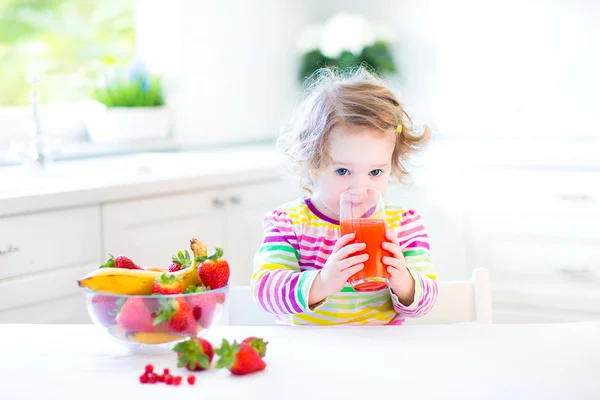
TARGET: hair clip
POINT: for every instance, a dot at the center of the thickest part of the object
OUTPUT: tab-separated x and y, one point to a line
399	128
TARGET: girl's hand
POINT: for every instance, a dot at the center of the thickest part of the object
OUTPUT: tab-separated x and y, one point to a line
338	268
401	281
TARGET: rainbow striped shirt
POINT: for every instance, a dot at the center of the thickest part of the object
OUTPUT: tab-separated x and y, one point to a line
298	239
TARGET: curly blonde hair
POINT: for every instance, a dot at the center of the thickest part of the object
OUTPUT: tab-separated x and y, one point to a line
353	97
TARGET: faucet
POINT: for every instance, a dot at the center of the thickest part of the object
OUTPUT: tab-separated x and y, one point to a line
36	149
39	158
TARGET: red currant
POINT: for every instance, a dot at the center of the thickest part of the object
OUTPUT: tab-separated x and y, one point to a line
191	379
177	380
149	368
144	378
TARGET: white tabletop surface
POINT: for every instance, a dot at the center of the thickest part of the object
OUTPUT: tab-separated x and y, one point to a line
466	361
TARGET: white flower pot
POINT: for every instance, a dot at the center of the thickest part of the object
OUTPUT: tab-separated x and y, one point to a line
126	124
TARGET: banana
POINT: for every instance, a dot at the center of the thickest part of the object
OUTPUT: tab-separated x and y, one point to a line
199	250
118	332
139	281
143	337
131	281
120	281
156	269
153	337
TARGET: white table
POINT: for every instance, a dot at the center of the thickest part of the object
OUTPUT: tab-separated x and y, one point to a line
466	361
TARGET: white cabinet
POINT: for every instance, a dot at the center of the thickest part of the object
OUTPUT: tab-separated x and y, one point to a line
150	231
538	232
50	251
243	217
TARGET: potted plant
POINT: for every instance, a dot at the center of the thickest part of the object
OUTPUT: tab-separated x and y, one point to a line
128	105
346	40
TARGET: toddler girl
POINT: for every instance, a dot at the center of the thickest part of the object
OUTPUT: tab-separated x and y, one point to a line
349	133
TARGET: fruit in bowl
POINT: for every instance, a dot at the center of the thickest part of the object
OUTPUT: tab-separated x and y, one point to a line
154	324
149	309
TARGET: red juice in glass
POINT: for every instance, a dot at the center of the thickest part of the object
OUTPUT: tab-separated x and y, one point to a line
371	231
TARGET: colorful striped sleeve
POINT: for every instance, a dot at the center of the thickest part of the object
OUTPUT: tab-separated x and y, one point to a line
278	284
414	242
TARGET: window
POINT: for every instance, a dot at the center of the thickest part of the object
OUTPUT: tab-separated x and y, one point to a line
65	44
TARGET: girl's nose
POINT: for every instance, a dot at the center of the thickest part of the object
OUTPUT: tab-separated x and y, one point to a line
359	184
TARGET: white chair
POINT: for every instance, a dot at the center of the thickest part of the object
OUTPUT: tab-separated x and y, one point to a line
461	301
458	301
242	309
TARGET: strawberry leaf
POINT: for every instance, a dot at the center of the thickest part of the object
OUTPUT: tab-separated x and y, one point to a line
191	354
196	289
165	312
118	305
182	258
259	345
110	263
226	353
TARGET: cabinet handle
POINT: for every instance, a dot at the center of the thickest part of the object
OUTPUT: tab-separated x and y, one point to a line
575	197
218	202
235	199
573	271
9	249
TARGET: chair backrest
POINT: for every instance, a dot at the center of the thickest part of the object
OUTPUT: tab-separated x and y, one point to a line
242	309
458	301
461	301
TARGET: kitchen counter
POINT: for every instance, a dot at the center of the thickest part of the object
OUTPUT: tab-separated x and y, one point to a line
74	183
462	361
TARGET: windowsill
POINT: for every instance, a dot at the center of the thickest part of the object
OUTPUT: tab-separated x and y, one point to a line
87	150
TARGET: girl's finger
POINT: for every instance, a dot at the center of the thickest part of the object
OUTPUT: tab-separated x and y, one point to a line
343	241
394	273
389	235
351	261
392	262
353	270
393	248
350	249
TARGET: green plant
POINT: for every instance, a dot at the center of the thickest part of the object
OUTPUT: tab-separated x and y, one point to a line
376	57
130	87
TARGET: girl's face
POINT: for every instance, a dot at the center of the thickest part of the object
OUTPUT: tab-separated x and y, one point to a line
361	158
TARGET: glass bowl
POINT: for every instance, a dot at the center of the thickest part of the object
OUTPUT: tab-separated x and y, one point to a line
154	324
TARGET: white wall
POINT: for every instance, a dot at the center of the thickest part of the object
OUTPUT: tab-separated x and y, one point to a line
233	65
475	68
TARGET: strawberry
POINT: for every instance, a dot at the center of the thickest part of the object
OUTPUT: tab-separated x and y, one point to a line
167	284
173	267
240	359
203	305
220	296
214	270
120	262
106	308
257	344
134	316
177	315
181	260
195	354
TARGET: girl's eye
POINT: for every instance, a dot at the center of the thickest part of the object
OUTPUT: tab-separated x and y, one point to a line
342	171
376	172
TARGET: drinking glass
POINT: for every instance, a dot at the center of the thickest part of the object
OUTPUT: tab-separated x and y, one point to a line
362	212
